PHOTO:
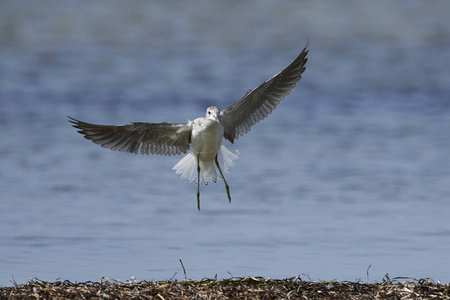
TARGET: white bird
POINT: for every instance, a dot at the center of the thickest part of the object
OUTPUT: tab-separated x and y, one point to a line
204	135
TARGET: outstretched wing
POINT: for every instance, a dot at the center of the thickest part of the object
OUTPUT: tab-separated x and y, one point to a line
238	118
144	138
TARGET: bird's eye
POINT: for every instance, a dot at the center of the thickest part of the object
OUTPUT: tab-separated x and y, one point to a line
209	112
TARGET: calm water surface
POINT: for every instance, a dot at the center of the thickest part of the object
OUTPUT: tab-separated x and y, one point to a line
351	171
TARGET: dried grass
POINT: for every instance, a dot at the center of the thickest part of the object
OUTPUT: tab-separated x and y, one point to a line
233	288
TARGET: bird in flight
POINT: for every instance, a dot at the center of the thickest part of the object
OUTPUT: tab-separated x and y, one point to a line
204	135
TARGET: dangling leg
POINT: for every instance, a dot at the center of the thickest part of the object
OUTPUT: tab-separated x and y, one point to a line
198	181
223	177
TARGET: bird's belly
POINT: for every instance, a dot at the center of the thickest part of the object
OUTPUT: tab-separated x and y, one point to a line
206	139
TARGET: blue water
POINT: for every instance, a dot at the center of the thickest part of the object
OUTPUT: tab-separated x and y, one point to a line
351	171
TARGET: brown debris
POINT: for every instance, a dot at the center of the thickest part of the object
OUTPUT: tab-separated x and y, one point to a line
234	288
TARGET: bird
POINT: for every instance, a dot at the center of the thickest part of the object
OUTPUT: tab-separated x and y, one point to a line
202	136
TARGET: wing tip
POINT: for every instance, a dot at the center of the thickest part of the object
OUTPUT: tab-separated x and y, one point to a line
72	120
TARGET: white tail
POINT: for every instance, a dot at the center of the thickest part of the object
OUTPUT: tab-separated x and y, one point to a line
187	166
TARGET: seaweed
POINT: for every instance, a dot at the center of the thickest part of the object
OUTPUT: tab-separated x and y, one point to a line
231	288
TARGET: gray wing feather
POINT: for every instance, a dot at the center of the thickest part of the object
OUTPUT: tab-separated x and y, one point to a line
238	118
144	138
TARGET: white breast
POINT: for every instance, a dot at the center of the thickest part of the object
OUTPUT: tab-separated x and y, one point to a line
206	138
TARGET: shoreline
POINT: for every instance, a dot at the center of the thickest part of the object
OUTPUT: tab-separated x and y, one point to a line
235	287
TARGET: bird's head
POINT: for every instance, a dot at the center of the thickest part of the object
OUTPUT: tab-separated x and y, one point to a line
212	113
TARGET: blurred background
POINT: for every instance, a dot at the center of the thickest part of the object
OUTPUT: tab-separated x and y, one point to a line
348	179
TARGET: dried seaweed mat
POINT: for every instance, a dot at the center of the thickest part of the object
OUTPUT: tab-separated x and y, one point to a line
233	288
